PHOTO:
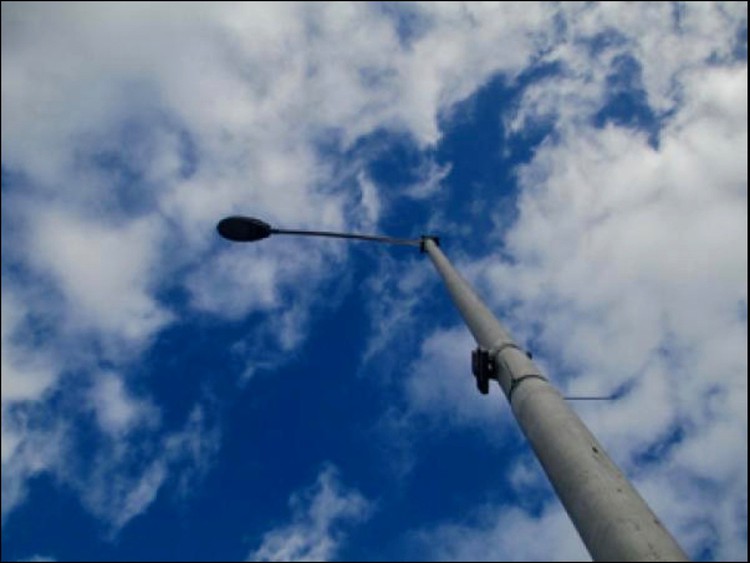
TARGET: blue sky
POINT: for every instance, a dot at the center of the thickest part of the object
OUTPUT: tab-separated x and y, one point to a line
169	395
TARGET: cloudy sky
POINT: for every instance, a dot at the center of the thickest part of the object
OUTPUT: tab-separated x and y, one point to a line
169	395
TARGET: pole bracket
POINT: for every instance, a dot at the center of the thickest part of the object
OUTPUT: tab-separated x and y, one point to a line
484	368
496	351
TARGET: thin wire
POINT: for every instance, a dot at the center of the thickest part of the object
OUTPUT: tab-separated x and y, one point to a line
330	234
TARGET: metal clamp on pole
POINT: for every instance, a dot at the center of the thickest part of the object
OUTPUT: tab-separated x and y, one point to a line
484	368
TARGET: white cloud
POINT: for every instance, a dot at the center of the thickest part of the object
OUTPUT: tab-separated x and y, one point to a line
624	250
126	498
395	300
319	516
431	175
371	204
104	272
507	533
127	472
28	450
666	41
117	411
26	373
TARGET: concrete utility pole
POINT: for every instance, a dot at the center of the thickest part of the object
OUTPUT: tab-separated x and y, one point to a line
614	522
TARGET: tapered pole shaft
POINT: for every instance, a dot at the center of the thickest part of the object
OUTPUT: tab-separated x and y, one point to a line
613	520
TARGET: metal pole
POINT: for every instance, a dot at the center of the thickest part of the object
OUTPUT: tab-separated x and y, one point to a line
353	236
614	522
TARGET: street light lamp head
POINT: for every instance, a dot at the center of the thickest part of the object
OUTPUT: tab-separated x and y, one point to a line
243	229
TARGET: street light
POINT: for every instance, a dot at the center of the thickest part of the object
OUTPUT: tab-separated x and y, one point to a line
613	520
249	229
